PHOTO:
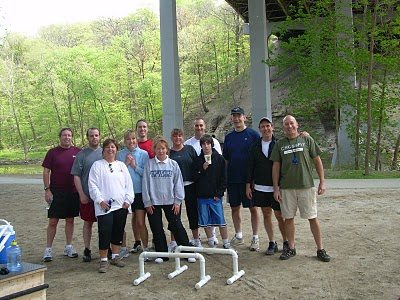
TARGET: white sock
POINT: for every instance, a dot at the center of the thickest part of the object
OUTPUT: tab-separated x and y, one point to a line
225	241
114	256
104	259
239	235
173	243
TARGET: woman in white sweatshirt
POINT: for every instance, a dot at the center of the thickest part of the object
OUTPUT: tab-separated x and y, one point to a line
110	187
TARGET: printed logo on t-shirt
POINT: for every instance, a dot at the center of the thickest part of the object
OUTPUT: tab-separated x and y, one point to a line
298	147
161	173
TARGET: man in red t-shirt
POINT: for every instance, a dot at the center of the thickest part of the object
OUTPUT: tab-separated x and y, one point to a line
60	192
143	141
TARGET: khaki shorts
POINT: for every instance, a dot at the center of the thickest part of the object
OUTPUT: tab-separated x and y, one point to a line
304	199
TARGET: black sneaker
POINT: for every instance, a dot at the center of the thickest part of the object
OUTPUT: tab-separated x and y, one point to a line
137	247
285	245
272	248
87	255
322	256
287	253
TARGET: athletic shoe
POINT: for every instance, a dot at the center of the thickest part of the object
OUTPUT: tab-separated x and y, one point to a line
159	260
322	256
255	244
123	252
87	255
117	262
103	266
287	253
147	258
235	241
172	246
48	255
191	260
212	244
228	246
197	243
137	246
70	251
272	248
285	245
215	239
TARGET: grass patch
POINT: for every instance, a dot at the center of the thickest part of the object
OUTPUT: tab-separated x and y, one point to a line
25	169
359	174
18	155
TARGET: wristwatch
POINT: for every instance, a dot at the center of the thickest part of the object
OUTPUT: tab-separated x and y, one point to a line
46	188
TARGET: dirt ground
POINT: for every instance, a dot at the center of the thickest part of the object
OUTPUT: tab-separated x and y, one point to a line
360	229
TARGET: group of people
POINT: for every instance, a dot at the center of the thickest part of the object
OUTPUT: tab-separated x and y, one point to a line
150	177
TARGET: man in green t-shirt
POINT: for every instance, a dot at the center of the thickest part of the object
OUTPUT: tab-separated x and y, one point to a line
294	157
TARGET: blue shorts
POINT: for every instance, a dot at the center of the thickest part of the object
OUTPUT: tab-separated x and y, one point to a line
237	195
211	212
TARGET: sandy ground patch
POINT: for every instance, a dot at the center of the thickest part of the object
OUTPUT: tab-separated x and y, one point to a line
360	230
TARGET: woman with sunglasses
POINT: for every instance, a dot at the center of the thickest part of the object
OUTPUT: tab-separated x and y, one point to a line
110	187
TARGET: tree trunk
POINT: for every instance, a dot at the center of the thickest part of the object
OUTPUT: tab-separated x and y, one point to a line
216	68
380	122
395	154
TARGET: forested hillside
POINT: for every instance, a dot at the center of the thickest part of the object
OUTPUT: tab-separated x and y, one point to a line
106	73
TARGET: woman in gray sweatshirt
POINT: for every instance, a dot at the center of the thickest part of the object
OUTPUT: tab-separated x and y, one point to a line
163	190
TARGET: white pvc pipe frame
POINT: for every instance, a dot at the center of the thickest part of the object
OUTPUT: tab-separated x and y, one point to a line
177	255
235	265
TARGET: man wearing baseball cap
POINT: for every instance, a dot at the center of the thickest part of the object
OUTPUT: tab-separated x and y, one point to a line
235	151
259	186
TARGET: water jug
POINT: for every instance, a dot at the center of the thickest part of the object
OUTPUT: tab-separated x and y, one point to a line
14	262
7	235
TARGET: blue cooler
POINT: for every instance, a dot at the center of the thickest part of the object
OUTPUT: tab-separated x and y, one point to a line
7	235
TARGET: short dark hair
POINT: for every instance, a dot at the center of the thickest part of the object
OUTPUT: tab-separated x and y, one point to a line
141	120
65	129
108	142
207	139
176	131
90	129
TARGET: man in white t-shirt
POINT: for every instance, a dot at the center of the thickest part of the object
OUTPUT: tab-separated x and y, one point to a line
194	141
199	131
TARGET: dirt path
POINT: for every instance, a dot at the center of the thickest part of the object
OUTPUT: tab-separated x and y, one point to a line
360	229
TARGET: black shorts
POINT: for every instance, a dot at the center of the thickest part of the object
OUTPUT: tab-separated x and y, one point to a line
138	203
237	195
64	205
265	199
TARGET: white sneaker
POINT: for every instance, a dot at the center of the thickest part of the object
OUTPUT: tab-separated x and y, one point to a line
70	251
159	260
255	244
172	246
212	244
123	253
215	239
197	243
48	255
235	241
228	246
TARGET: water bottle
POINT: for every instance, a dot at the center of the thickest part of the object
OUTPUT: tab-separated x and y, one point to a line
14	255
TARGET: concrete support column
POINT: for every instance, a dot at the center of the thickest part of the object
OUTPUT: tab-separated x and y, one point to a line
344	152
259	75
171	93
